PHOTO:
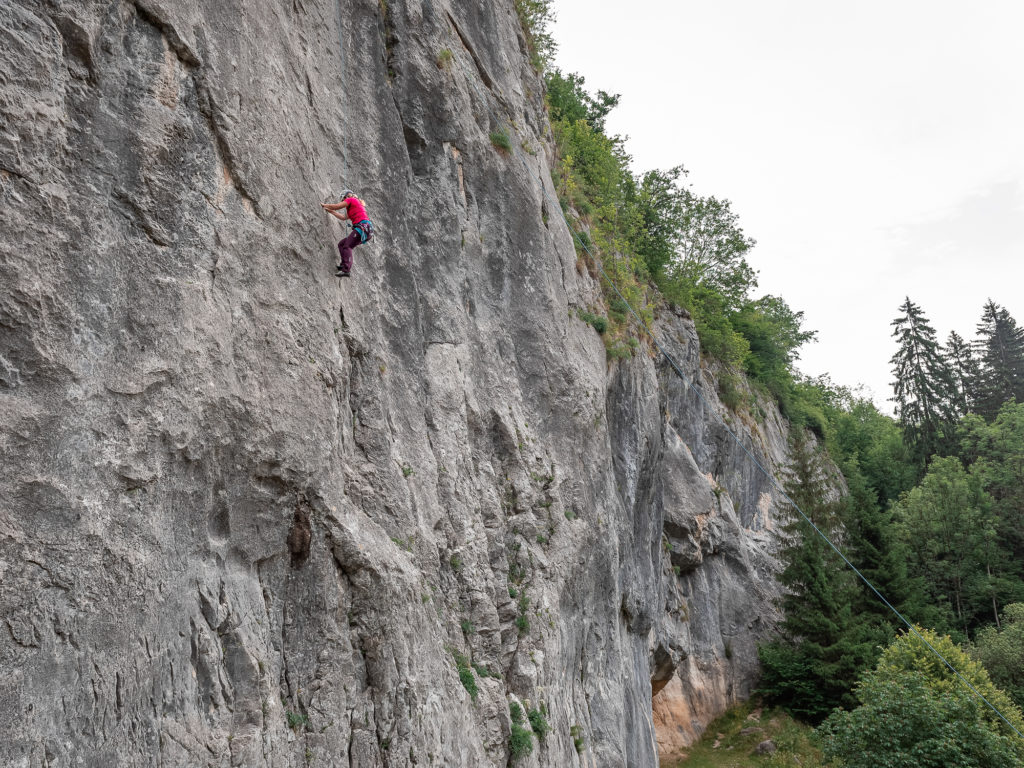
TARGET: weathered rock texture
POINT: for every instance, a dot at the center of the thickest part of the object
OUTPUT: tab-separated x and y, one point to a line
249	513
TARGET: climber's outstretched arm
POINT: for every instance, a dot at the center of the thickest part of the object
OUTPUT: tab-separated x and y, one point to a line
334	206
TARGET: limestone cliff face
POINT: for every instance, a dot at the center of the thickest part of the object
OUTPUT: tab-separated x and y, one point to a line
251	514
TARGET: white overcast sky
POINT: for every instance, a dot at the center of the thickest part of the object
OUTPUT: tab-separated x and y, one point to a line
874	150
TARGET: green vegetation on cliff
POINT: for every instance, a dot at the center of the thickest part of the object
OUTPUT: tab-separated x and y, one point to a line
933	512
658	241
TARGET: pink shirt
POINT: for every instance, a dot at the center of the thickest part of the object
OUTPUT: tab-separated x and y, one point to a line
356	211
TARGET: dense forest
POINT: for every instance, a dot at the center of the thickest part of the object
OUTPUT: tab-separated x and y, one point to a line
932	517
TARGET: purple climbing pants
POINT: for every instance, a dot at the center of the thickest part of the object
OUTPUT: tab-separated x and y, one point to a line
345	249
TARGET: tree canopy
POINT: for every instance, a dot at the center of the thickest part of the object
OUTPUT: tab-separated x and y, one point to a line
915	713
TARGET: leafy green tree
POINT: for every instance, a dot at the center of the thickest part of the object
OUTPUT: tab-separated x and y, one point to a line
1001	650
712	316
915	713
810	669
923	386
964	368
997	452
948	527
874	440
713	248
774	334
1001	352
661	202
569	101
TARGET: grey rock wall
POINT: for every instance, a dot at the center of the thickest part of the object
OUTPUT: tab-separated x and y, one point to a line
250	514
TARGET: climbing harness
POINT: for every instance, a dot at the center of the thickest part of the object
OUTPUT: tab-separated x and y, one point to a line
365	230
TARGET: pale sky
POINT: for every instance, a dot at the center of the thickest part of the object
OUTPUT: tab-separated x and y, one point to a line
874	150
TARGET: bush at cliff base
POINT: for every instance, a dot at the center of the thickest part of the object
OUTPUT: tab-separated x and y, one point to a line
915	713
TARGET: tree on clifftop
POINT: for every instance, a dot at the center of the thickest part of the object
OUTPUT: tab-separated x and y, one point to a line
712	249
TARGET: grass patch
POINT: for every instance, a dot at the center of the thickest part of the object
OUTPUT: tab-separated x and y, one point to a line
797	743
445	58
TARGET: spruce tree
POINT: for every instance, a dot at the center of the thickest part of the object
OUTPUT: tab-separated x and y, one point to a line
1000	347
923	387
874	547
811	668
964	368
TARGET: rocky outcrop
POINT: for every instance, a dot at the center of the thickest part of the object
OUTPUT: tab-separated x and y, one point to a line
253	515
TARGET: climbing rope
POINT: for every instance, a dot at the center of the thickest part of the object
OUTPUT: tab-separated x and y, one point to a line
774	483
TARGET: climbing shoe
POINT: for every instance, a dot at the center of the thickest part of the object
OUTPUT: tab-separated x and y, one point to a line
339	272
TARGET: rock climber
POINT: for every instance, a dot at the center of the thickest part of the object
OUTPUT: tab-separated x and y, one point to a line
354	212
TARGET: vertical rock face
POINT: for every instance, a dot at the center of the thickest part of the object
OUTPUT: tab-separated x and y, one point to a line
254	515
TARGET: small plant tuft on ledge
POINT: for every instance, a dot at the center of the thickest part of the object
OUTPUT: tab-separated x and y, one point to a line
522	621
501	141
484	671
445	58
522	624
465	674
599	323
577	737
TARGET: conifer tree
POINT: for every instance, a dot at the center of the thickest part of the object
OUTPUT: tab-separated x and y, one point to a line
811	668
1000	347
964	368
923	386
873	545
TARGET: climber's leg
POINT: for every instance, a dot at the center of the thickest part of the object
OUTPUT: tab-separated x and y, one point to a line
345	250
